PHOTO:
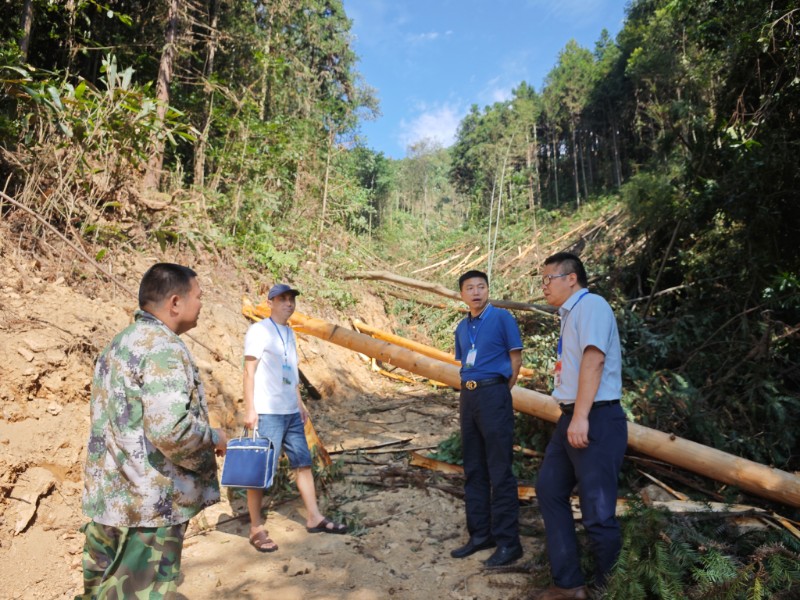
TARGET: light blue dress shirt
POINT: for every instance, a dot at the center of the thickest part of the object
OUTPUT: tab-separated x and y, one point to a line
588	321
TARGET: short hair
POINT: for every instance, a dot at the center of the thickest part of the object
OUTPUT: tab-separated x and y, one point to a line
470	275
572	263
163	280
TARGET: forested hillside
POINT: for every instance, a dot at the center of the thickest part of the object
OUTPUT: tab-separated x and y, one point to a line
233	127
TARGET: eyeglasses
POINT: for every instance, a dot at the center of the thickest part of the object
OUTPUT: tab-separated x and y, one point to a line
546	279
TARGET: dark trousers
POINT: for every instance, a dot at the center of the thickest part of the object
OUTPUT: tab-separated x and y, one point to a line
595	469
490	490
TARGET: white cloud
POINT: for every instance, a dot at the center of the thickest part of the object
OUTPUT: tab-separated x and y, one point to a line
437	123
418	38
496	90
431	36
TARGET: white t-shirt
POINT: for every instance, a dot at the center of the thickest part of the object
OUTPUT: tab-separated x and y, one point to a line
275	347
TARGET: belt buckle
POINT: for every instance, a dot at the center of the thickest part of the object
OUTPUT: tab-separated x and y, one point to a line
471	385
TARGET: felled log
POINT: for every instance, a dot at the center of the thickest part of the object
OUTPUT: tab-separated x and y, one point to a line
751	476
315	445
438	264
682	504
416	346
460	265
443	291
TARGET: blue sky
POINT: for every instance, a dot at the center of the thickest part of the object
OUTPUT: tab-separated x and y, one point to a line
430	60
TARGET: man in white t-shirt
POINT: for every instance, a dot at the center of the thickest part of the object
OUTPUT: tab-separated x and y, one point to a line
272	403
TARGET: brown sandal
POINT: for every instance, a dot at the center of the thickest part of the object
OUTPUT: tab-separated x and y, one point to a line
261	542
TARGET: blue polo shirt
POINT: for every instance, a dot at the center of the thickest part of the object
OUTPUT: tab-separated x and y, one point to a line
495	333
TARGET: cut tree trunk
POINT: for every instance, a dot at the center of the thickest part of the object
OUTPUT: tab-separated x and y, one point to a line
750	476
416	346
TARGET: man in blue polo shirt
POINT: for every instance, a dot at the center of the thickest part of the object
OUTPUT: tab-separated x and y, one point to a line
589	442
489	347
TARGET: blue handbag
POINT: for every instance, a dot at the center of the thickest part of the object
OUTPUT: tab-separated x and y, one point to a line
250	462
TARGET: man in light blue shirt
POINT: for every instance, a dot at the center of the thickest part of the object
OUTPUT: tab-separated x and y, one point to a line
589	442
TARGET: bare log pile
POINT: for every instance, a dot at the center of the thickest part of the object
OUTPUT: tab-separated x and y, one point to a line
753	477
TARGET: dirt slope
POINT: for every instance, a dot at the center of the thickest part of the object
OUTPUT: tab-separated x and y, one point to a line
55	316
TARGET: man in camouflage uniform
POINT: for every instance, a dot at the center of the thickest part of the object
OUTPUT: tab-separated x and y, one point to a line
150	463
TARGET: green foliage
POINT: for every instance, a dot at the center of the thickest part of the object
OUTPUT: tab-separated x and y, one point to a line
338	295
654	196
281	264
449	450
670	556
80	143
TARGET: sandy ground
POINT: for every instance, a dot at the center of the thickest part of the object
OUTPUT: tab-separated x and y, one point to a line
54	319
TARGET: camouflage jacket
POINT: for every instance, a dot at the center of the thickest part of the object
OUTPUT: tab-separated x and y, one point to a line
150	458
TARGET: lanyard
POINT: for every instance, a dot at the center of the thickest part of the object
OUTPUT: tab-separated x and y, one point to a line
564	320
285	353
474	338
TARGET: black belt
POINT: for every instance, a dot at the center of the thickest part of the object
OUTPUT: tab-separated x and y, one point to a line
567	409
471	384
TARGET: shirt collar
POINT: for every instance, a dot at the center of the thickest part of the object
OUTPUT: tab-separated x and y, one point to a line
572	300
480	316
143	315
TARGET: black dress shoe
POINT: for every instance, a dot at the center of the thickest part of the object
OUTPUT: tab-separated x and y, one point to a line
505	555
471	547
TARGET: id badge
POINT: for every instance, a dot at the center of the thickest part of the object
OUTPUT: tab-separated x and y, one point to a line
470	361
557	374
287	375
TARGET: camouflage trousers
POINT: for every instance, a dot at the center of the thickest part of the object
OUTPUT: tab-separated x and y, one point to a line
141	563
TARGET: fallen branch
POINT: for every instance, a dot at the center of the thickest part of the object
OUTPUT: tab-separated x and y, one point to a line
456	268
664	486
666	470
443	291
522	254
372	447
527	451
402	378
680	506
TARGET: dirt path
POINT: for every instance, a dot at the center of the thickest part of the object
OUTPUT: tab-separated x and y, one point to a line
50	334
404	533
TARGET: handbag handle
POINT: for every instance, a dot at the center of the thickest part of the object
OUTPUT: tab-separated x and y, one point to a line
245	434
